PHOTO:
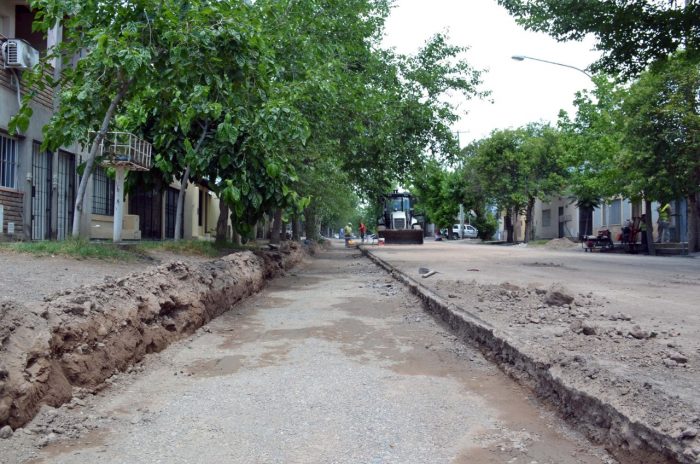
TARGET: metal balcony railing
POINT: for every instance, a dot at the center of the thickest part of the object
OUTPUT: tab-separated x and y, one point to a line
125	149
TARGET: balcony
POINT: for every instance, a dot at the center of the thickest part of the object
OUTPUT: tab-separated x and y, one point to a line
123	149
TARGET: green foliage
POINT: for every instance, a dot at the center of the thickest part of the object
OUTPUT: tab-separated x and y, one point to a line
632	33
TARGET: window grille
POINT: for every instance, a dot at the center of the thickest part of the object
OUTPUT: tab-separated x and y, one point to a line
102	192
8	162
546	217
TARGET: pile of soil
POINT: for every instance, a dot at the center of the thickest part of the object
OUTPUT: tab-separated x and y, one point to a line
561	244
79	338
605	354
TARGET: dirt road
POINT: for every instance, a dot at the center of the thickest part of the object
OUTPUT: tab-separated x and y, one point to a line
332	363
627	334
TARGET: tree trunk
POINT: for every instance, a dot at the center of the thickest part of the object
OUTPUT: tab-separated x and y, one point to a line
254	232
508	227
90	162
235	236
275	229
283	231
183	187
311	230
222	223
296	226
529	229
650	228
693	223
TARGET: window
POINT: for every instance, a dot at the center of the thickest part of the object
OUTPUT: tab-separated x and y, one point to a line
546	217
8	162
102	192
615	214
24	18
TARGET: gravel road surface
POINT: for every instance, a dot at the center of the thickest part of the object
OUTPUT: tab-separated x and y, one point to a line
333	363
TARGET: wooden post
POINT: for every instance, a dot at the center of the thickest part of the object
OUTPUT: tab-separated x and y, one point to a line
118	203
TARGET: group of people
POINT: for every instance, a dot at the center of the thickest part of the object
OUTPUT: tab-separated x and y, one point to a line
348	232
629	229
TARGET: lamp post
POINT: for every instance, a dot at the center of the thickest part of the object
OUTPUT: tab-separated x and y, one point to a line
523	57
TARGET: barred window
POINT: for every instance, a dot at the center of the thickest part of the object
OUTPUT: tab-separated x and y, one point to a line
615	215
8	162
546	217
102	192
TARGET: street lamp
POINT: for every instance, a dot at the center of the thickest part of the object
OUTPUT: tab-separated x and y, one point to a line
523	57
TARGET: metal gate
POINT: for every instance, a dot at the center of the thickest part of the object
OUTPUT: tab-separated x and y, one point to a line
147	205
66	194
41	193
171	195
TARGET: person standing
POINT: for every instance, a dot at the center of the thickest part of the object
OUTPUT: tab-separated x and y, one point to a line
348	233
643	231
363	231
663	223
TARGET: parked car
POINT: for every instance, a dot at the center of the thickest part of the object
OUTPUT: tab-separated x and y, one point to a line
469	231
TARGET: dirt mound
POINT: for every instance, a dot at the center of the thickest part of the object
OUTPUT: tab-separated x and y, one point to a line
79	338
560	244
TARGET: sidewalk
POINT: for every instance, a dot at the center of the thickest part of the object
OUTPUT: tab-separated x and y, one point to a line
617	348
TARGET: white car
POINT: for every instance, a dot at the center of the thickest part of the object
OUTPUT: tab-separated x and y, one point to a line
469	232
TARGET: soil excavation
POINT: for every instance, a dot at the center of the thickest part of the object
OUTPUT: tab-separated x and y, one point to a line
80	337
334	362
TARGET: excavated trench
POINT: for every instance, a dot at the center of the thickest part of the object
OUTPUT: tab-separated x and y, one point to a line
628	440
80	337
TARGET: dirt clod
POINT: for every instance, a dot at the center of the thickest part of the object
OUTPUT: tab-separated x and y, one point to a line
557	295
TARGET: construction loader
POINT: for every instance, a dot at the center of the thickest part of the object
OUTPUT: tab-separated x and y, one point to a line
398	225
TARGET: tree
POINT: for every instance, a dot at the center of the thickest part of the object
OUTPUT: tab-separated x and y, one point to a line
517	166
118	43
662	160
632	33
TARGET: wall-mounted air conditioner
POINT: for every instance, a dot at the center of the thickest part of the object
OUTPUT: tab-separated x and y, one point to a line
18	54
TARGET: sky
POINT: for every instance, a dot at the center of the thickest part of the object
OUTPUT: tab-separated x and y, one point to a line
522	91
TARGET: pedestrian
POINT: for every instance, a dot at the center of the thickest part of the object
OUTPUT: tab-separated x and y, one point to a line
643	231
662	223
348	233
363	231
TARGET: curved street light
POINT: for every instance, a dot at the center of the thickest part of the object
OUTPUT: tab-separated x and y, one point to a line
523	57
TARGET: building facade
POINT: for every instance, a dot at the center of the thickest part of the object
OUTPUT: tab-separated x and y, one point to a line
38	188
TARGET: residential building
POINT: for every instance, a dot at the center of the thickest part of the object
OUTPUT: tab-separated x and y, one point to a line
38	188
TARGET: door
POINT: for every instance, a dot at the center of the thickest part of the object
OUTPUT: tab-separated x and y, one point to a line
41	193
562	222
147	204
170	213
65	193
585	221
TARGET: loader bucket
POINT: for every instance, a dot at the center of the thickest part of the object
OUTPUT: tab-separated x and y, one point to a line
402	237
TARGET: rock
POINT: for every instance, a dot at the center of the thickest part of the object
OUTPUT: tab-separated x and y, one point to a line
638	333
690	432
588	328
6	432
558	296
423	270
669	362
577	326
678	357
620	317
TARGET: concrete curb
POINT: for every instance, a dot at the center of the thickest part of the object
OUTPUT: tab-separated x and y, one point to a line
627	439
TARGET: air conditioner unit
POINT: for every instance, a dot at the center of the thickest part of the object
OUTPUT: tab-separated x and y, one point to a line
18	54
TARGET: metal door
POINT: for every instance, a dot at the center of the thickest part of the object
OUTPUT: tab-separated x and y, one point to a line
171	212
41	193
65	193
147	204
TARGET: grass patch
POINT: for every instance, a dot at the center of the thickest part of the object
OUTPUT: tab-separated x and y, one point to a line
194	247
129	251
75	248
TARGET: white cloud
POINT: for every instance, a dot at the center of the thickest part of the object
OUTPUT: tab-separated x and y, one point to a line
524	91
